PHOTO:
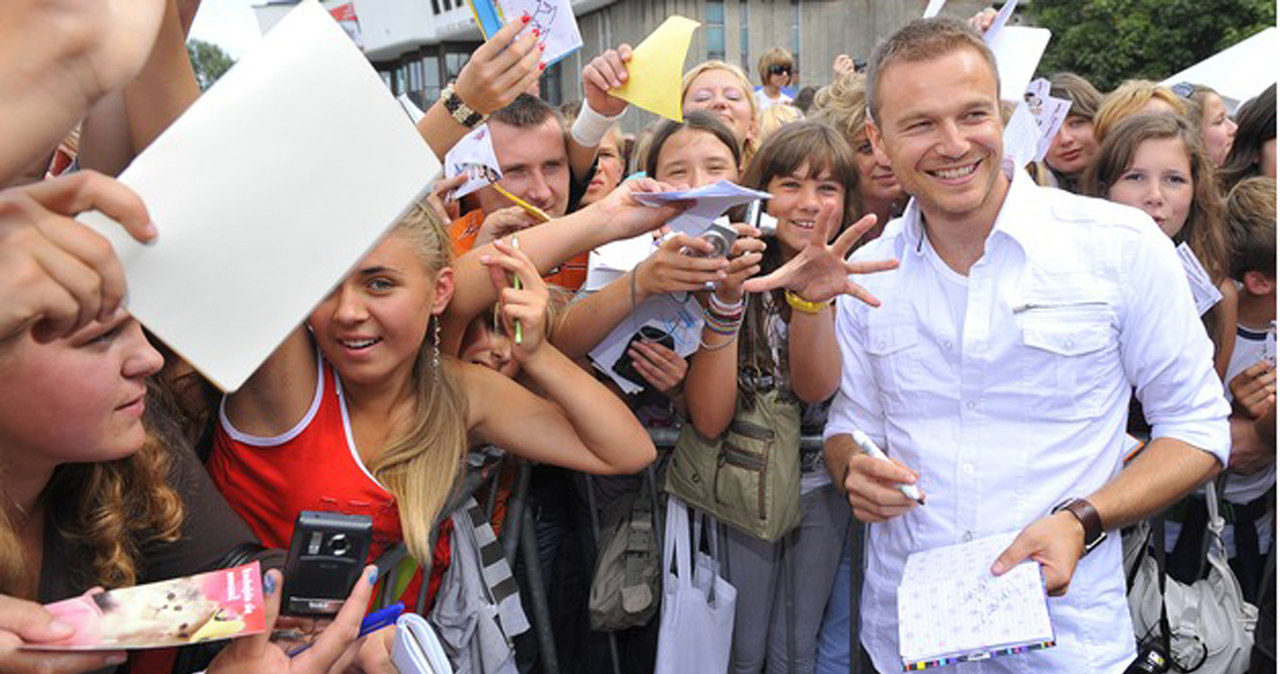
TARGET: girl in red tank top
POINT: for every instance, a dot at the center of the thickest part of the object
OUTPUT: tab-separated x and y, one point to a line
362	413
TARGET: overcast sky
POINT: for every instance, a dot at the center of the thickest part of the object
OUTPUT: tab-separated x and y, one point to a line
230	24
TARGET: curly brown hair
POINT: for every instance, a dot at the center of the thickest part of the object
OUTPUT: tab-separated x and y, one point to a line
108	510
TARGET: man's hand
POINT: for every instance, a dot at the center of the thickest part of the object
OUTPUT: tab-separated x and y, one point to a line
872	488
1056	542
603	74
820	272
1249	453
1254	390
25	622
55	273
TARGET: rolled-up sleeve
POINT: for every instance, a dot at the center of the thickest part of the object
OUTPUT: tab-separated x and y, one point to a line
1166	351
857	403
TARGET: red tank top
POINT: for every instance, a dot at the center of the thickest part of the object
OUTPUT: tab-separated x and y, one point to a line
313	466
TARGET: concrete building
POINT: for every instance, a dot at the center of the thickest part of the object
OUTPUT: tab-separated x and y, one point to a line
419	45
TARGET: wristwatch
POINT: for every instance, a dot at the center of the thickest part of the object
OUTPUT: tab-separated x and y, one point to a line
1084	511
460	111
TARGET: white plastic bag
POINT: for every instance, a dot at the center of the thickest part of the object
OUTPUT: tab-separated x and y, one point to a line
697	603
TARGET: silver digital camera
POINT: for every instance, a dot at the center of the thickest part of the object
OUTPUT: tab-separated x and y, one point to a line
721	238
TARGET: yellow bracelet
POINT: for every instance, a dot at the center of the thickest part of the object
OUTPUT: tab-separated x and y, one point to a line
805	306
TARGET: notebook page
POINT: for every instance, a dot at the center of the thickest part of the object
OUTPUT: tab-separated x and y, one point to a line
950	606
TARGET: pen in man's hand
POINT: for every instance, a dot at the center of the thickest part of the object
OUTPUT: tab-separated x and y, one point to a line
870	449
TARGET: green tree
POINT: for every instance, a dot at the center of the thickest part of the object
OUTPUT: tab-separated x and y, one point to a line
209	62
1109	41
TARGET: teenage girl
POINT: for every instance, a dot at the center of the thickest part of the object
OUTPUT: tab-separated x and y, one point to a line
784	339
1156	162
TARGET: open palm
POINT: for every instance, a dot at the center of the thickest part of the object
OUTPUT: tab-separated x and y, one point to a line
820	272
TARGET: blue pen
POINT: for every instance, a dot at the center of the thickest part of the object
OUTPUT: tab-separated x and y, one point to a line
371	623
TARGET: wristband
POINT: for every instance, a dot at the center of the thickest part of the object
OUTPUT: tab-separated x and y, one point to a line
590	126
725	308
805	306
460	111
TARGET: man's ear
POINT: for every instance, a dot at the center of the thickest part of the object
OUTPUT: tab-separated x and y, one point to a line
877	143
1258	283
443	291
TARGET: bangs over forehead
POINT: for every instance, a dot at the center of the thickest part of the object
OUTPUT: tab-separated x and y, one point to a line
814	146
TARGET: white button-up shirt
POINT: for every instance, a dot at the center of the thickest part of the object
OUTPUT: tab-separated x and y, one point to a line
1018	400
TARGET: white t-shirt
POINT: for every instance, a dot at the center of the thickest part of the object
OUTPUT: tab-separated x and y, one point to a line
763	102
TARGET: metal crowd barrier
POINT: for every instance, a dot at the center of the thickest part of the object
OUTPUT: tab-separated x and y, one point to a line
519	538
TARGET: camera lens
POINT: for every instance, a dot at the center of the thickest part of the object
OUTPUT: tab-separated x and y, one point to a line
339	545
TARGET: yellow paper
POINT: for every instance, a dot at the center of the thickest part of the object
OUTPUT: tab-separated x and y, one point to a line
656	68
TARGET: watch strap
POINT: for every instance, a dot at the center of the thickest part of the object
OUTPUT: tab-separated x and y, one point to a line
1089	518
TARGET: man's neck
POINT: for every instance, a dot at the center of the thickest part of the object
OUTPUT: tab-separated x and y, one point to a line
1257	311
960	241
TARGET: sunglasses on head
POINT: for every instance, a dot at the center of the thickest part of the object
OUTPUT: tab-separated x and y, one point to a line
779	70
1184	89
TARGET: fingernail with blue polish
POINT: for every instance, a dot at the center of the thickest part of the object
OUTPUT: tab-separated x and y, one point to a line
269	584
373	576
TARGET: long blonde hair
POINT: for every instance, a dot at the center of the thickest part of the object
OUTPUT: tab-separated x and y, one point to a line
425	455
108	510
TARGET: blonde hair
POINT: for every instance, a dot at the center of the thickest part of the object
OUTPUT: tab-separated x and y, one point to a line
425	455
109	510
1128	99
749	145
843	104
776	117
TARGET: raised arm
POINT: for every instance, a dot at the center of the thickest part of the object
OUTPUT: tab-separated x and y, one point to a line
599	110
617	216
498	71
711	386
589	320
71	54
576	423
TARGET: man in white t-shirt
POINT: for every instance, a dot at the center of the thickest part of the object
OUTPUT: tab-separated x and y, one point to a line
997	372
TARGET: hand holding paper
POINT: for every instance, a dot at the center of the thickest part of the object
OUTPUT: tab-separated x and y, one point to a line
551	20
505	66
604	73
656	69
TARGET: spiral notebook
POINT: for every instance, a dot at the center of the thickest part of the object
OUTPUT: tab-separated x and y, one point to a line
951	609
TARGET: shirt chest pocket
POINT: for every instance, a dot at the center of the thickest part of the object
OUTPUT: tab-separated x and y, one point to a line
1066	355
892	349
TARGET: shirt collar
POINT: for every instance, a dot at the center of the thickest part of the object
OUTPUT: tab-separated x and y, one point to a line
1011	221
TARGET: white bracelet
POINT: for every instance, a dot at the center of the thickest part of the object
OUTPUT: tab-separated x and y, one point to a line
590	126
724	307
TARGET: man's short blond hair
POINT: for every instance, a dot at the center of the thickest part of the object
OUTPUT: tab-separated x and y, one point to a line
923	40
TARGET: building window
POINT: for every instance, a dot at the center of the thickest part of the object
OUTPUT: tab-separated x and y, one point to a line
744	16
715	29
549	84
430	79
454	60
435	6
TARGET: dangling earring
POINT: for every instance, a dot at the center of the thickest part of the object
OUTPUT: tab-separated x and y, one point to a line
435	343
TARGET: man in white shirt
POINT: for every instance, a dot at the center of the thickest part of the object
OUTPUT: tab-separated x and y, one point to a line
997	373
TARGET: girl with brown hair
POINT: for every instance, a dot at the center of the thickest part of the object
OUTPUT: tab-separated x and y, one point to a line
1156	162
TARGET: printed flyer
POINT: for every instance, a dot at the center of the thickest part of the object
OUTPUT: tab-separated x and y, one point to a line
216	605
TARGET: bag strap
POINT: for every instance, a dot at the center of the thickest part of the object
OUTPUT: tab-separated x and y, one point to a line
677	543
1157	532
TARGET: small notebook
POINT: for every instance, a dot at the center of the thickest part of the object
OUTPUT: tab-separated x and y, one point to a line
951	609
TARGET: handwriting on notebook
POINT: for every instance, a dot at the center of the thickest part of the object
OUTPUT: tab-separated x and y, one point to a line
951	608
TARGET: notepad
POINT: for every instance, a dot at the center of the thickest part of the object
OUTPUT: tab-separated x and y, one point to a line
553	19
952	609
266	192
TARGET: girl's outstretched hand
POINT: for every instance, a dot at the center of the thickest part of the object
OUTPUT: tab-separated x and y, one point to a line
820	272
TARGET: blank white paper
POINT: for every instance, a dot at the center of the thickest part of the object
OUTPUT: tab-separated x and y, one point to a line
266	192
